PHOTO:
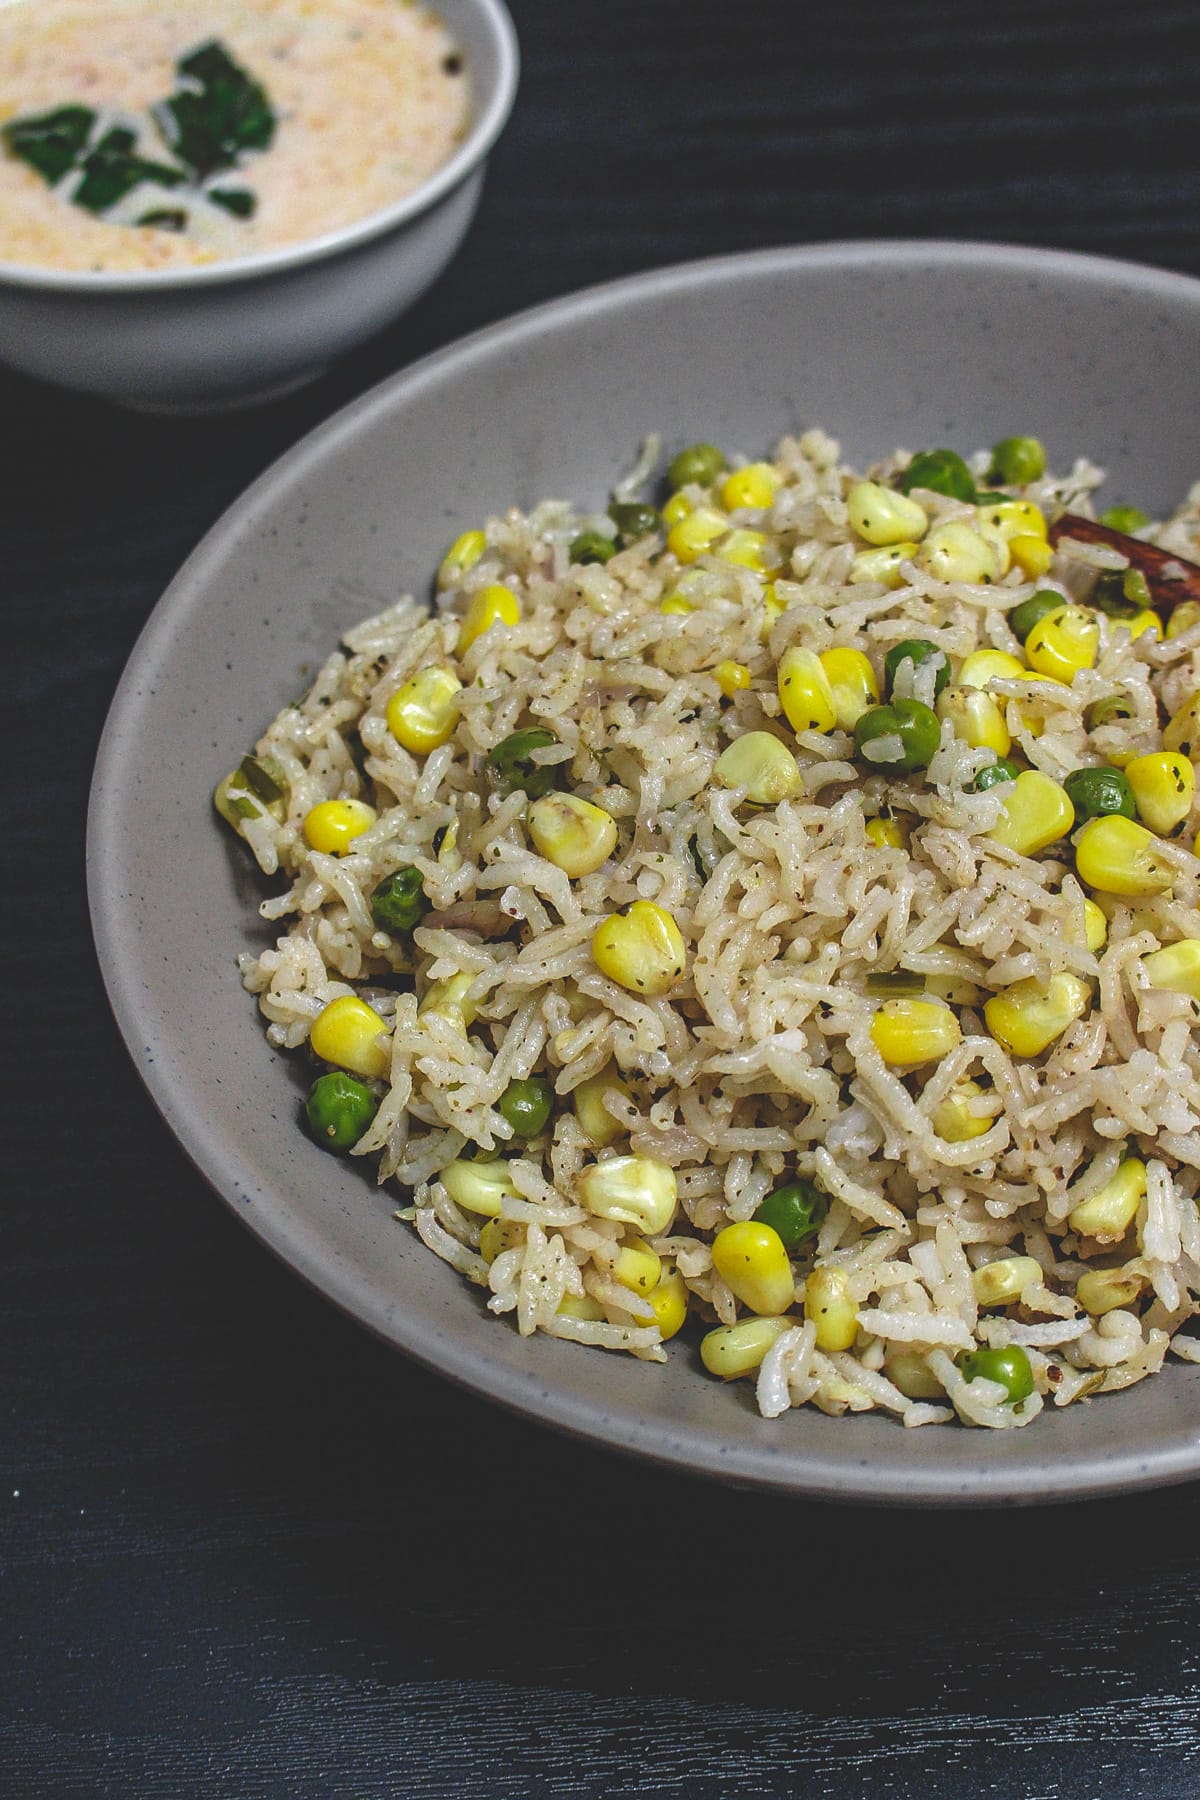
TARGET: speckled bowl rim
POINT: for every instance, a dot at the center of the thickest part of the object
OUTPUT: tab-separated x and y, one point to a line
488	123
845	1474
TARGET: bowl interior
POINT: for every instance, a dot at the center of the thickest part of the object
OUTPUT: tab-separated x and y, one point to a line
882	345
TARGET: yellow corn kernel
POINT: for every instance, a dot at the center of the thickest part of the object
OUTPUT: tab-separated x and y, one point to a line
594	1117
573	834
1183	617
1175	967
1027	1017
883	565
677	508
577	1004
497	1236
1107	1214
772	611
956	552
753	1264
1014	518
449	1000
641	949
882	517
755	486
478	1187
696	533
492	605
1118	856
422	714
1001	1282
1141	623
1037	812
758	762
333	825
1032	718
804	691
636	1266
580	1306
828	1306
908	1370
1183	729
887	834
347	1033
1095	926
1032	555
953	1118
676	603
447	850
1164	786
1063	642
852	682
976	718
1102	1290
984	666
733	1350
631	1190
669	1300
747	550
732	678
909	1032
462	555
1141	918
1000	549
955	990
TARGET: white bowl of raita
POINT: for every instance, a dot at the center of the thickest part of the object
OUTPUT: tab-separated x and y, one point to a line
204	202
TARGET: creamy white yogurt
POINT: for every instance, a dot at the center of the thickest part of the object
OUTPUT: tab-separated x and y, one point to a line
370	98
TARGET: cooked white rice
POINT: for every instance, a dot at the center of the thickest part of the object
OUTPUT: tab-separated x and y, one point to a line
759	1066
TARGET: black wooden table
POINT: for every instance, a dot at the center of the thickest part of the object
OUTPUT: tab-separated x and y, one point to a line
249	1552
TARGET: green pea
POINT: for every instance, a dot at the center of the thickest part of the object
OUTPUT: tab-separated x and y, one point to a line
1003	769
399	903
1095	793
526	1105
794	1211
1017	460
943	471
917	651
916	727
1010	1367
1023	618
1124	518
591	547
339	1109
512	762
634	519
1121	593
699	464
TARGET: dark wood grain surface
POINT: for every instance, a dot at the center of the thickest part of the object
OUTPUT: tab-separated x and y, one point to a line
248	1552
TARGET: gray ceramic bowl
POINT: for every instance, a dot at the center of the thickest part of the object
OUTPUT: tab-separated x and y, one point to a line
237	332
882	344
